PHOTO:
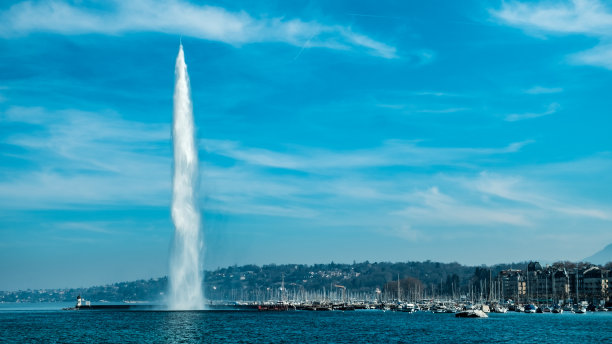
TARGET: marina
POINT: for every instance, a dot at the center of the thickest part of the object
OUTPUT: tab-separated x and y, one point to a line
375	326
459	308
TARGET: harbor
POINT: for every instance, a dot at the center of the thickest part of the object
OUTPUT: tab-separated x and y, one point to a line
457	307
359	326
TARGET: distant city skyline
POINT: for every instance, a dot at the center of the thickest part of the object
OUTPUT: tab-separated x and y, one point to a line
472	131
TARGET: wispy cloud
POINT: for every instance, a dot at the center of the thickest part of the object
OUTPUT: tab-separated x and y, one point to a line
584	17
543	90
589	17
405	232
397	203
423	56
86	158
230	206
552	108
436	94
433	205
102	159
517	190
600	56
102	227
446	110
182	18
392	153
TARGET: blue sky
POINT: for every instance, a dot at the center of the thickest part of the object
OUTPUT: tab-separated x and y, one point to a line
472	131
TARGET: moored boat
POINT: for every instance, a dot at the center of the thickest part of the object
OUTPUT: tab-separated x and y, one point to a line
408	308
473	313
530	308
580	310
557	309
499	309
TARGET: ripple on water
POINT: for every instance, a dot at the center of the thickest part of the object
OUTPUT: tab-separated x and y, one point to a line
287	327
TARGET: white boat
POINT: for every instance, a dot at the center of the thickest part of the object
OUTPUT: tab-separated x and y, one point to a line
440	308
530	308
499	309
473	313
580	310
556	309
408	308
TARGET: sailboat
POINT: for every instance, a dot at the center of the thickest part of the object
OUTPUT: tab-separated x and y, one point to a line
557	309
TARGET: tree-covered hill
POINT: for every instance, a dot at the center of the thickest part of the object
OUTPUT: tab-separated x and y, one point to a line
251	282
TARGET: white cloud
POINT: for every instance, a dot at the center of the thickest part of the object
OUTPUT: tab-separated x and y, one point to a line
590	17
102	227
433	206
392	153
583	17
552	108
251	208
501	201
102	159
437	94
86	158
182	18
407	233
517	190
543	90
447	110
600	56
326	185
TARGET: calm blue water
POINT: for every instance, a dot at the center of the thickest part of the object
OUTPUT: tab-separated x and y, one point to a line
55	326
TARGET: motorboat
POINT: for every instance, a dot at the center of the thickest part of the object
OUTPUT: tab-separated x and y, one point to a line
408	308
500	309
472	313
530	308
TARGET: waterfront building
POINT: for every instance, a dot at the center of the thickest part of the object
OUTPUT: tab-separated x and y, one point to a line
560	285
552	285
609	298
595	284
555	285
512	284
534	269
576	286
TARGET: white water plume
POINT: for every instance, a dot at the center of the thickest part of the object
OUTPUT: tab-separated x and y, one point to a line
185	278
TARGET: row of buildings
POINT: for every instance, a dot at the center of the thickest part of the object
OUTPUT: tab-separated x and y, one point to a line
556	284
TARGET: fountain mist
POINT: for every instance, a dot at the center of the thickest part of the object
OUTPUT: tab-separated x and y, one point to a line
185	279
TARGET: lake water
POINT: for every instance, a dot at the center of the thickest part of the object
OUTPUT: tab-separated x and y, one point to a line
52	325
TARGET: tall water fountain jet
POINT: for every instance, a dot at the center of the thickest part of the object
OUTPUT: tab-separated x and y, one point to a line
185	279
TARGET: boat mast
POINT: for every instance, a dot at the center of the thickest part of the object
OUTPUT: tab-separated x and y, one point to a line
546	292
577	297
528	289
398	289
490	285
